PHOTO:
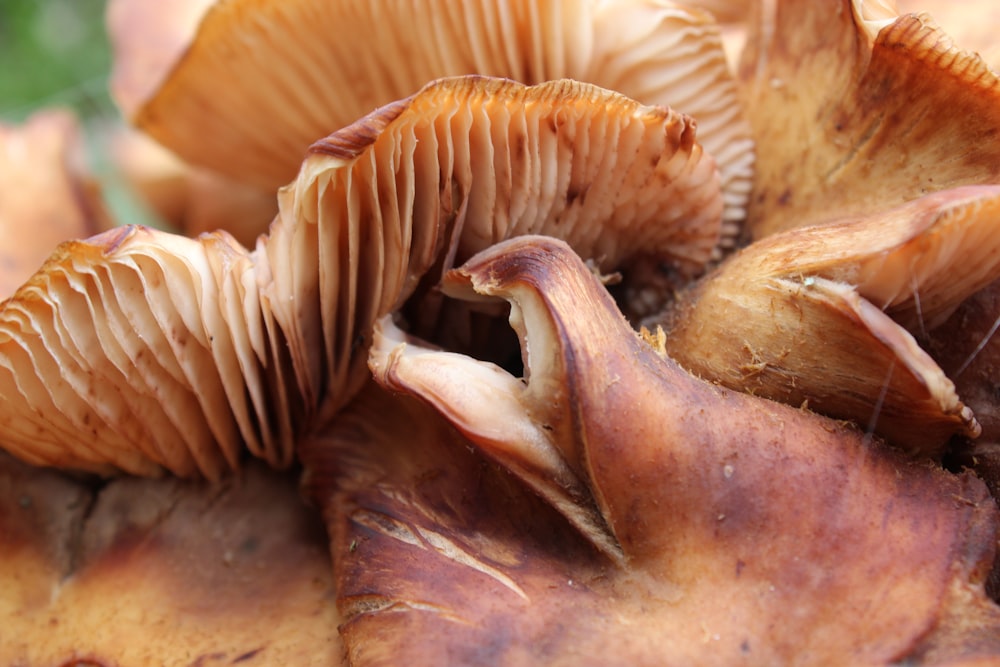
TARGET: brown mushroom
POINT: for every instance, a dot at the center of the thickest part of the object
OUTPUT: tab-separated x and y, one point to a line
288	82
143	572
382	208
143	350
855	110
739	528
971	24
670	529
798	316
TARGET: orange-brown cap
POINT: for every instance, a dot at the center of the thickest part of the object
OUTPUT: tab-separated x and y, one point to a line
259	80
162	572
729	510
827	316
856	109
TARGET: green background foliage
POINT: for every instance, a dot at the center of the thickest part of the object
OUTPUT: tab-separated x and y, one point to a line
53	53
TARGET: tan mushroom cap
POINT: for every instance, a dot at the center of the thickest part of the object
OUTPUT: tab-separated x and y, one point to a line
155	37
120	351
45	196
730	510
143	350
855	109
798	316
423	184
968	349
262	79
159	572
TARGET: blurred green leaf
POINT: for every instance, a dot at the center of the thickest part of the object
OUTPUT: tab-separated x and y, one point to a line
53	53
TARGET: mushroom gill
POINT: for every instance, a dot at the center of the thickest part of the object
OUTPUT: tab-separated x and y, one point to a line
743	530
143	350
295	71
967	348
609	506
855	109
971	24
423	184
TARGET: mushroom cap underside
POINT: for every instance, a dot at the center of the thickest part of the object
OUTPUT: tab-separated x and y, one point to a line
657	52
143	350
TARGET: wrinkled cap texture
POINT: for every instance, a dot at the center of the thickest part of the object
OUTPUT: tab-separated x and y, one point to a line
141	572
851	553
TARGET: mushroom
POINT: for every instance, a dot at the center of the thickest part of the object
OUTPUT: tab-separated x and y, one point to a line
826	315
288	82
670	524
724	11
718	524
855	110
144	572
969	23
45	196
966	346
141	350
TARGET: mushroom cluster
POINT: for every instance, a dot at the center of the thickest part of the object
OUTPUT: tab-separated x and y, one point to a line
592	331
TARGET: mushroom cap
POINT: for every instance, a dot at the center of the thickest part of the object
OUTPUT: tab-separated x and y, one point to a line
729	510
45	196
140	572
724	11
856	110
383	207
798	316
967	348
261	79
143	351
970	23
148	41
